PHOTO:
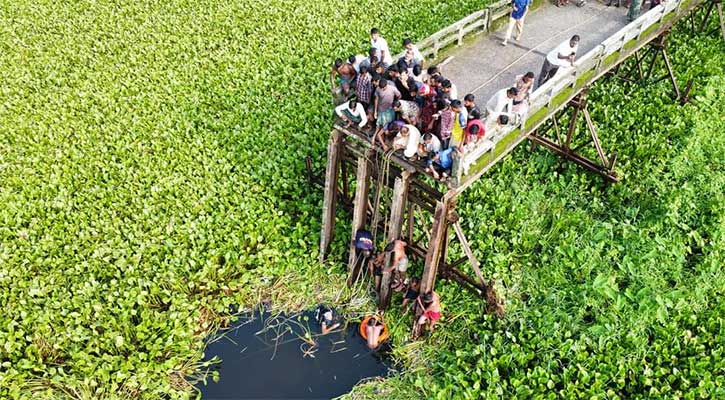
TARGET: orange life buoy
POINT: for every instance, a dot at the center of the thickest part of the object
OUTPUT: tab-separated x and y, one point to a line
383	335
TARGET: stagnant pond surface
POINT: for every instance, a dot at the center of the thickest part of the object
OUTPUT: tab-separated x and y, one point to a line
268	357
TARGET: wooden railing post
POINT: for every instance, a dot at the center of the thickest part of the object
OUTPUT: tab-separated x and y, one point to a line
329	202
397	214
359	212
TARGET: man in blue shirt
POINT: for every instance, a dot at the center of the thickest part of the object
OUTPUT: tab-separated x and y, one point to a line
520	7
441	163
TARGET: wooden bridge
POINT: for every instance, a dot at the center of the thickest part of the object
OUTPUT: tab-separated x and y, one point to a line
396	197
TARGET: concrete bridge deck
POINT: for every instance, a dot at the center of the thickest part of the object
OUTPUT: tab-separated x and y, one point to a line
483	66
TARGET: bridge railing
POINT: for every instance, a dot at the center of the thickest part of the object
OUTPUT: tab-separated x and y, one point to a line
479	21
558	91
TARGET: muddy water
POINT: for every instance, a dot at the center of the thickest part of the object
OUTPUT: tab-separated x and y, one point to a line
265	357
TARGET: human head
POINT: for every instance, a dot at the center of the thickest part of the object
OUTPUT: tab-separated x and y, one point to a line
374	33
512	92
338	63
396	105
372	321
432	70
529	77
363	69
503	119
446	85
456	105
407	43
474	114
417	70
390	246
351	59
427	297
574	40
412	87
414	282
375	79
404	131
383	83
427	137
469	99
372	52
441	104
352	103
402	64
474	130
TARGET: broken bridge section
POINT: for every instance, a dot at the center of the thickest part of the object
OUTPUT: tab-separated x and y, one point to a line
395	198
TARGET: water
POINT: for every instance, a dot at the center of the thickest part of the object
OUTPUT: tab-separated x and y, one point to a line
263	357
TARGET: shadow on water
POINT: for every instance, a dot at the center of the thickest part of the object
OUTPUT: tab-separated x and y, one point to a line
265	356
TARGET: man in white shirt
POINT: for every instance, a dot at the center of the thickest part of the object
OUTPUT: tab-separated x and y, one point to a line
429	145
407	139
381	44
417	55
502	101
562	56
352	111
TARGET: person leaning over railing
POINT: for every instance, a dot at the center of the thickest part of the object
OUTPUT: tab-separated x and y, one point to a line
562	56
502	101
352	112
524	84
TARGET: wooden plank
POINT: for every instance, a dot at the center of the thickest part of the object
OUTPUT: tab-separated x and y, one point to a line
435	247
334	150
469	253
397	214
359	215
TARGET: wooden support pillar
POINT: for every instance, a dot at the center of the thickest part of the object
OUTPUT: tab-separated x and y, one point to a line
397	215
439	232
359	213
329	203
469	253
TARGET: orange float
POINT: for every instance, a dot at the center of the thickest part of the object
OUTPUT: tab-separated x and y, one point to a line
383	335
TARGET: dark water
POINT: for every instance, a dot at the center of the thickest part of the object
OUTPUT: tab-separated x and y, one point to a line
263	357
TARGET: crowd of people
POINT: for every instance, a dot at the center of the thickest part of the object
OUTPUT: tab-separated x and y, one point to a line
404	105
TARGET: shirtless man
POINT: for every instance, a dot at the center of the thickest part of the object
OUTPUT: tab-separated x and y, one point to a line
346	72
431	305
373	330
399	263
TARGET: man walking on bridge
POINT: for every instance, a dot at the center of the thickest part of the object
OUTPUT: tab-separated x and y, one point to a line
562	56
520	8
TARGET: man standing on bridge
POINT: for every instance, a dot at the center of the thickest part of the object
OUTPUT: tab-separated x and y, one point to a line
520	8
562	56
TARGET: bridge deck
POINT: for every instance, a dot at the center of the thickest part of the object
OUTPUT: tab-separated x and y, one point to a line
484	66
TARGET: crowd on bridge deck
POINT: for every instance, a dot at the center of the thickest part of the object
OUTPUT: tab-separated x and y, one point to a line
404	105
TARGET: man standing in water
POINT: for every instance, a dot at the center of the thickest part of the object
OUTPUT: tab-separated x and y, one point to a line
327	319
